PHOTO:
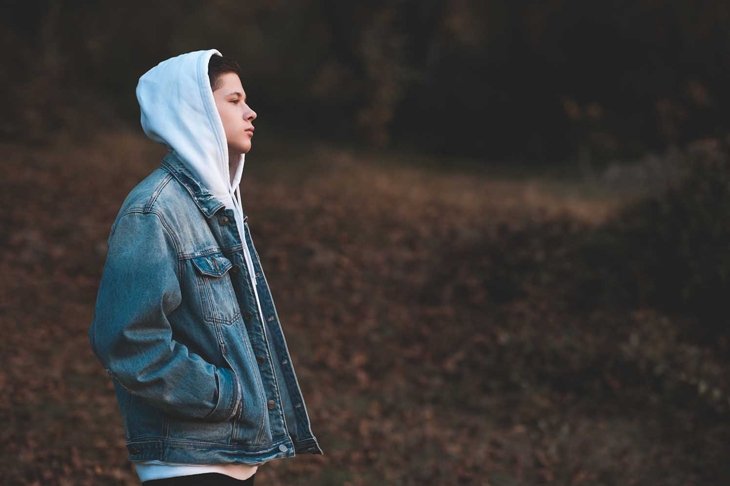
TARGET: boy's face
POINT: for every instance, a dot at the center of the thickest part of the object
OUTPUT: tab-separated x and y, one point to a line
236	115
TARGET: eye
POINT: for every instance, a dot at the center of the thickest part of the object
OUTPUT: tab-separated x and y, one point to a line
235	102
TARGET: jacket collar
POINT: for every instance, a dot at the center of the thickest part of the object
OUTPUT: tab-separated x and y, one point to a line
205	201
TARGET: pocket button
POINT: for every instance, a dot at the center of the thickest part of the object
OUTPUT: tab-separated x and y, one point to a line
271	404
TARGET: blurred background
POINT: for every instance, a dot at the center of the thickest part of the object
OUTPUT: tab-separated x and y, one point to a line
496	231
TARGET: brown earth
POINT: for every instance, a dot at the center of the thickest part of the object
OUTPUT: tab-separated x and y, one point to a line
428	313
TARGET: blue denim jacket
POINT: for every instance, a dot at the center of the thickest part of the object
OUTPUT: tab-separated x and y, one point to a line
198	377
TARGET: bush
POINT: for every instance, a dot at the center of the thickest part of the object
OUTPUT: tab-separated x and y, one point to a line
670	250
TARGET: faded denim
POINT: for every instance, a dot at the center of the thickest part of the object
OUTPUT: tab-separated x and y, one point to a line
198	377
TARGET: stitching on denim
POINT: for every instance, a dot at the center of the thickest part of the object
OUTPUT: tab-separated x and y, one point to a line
275	336
168	232
204	285
181	177
156	193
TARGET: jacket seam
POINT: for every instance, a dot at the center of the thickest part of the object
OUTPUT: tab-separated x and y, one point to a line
166	229
156	193
178	174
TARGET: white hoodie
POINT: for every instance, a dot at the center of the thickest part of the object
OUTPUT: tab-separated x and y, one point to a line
179	111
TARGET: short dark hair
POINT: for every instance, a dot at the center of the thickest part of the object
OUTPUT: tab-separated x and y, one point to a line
219	65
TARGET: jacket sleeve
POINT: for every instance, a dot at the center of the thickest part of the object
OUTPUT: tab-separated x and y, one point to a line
131	334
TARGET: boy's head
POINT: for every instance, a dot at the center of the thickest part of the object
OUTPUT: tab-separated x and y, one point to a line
230	100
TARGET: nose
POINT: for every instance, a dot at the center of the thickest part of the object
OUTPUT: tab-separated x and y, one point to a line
251	115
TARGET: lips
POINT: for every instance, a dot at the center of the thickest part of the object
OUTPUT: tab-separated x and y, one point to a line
250	131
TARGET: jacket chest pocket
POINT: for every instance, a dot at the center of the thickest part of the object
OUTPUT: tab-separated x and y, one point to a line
215	290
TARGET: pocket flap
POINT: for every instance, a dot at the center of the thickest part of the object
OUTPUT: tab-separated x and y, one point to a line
212	265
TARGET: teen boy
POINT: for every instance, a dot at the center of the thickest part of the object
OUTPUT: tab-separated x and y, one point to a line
184	322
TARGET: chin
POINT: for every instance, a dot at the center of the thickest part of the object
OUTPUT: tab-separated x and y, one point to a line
241	149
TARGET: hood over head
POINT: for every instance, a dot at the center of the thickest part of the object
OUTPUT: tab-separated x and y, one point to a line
178	110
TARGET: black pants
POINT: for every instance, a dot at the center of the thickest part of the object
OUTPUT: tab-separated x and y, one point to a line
207	479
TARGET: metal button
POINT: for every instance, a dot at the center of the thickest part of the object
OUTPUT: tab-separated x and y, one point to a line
223	220
271	404
247	315
283	448
260	359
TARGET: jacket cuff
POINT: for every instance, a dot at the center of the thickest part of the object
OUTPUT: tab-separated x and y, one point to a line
228	396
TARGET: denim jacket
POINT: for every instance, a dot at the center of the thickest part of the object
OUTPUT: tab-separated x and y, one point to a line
199	378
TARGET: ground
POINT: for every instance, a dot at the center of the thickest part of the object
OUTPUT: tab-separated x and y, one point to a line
428	310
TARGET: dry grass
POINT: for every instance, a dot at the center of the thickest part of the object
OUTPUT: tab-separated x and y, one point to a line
425	311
